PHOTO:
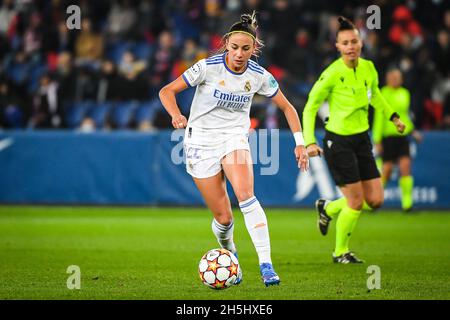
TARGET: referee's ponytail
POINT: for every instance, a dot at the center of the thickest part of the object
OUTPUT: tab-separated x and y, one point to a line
345	24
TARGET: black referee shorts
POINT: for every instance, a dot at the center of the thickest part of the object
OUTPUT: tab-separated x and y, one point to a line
395	148
349	158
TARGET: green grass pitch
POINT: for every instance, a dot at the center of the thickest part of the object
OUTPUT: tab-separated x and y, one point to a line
153	253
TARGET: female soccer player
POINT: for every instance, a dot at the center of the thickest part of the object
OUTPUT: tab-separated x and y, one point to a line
392	146
349	84
216	138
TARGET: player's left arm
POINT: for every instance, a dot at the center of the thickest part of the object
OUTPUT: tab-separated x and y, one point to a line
294	123
380	104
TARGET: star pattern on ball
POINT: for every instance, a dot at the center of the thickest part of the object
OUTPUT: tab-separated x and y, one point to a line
218	270
213	265
219	284
233	269
224	251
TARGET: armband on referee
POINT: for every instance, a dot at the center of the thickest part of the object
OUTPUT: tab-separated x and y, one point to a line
299	141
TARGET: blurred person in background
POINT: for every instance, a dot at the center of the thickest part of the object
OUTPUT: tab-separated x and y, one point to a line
392	146
131	72
303	60
89	44
85	85
405	24
46	113
150	21
17	67
213	15
161	62
108	82
65	39
66	76
441	53
7	14
217	134
284	22
33	37
191	53
122	20
12	112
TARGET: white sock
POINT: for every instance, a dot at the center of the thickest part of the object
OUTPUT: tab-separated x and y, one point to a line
256	223
224	235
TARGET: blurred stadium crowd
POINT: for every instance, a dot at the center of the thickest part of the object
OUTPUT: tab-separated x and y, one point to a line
107	75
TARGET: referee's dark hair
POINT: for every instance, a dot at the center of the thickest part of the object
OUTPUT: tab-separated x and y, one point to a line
345	24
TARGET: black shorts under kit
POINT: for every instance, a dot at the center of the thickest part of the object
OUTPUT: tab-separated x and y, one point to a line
395	148
350	158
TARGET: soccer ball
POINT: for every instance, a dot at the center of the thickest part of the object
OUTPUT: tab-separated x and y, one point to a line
218	269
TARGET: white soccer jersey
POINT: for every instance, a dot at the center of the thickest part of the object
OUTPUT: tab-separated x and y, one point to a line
223	98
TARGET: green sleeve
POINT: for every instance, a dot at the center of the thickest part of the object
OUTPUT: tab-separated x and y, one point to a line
378	101
316	97
378	125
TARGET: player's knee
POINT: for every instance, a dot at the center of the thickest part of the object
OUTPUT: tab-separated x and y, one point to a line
223	217
243	195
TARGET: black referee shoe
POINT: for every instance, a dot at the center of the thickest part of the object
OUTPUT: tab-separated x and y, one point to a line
324	220
347	258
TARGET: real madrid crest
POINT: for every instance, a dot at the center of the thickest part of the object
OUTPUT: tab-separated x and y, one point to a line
247	86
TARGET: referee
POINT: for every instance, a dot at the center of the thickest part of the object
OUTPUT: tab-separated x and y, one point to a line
349	84
392	146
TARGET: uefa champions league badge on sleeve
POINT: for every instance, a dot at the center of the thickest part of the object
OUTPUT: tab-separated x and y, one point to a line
196	68
272	82
194	72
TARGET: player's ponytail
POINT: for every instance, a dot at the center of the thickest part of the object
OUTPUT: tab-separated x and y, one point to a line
247	24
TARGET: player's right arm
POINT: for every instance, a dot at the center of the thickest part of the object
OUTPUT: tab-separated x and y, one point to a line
316	97
192	77
167	96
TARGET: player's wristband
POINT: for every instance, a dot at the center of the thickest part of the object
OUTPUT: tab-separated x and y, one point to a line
299	141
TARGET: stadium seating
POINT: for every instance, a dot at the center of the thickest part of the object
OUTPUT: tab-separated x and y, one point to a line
13	116
141	50
99	113
75	113
36	73
122	114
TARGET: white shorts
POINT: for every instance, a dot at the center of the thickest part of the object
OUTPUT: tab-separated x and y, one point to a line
204	156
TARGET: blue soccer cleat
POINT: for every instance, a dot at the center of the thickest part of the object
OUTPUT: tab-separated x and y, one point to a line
239	275
269	275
